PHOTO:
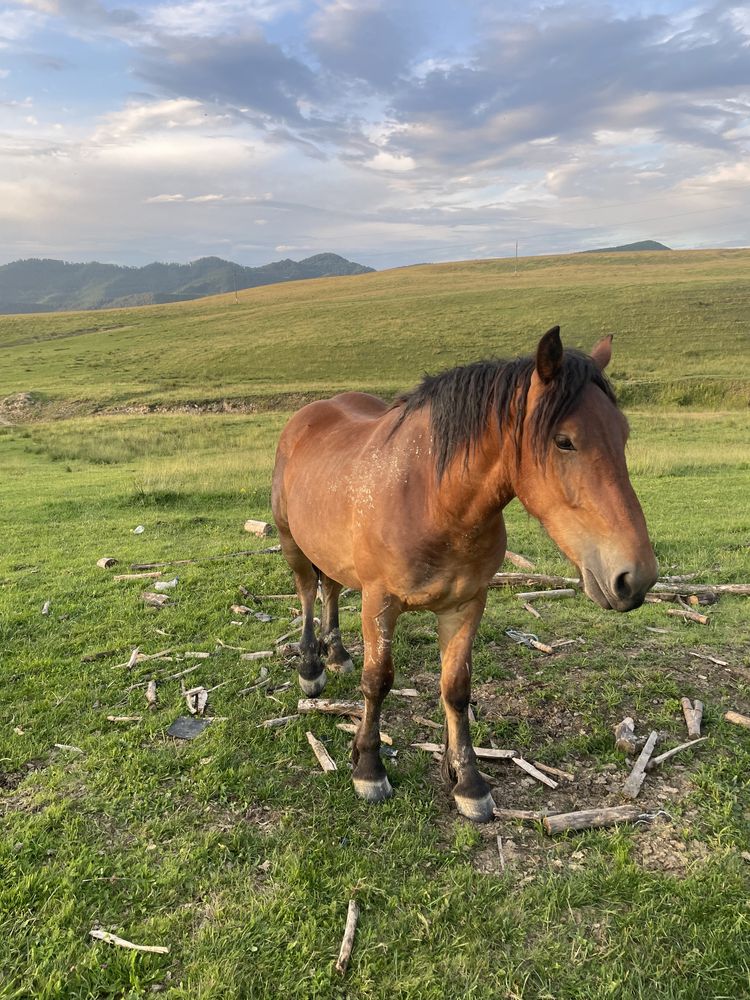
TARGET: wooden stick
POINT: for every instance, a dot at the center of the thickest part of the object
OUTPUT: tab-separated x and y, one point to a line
500	852
691	616
137	657
405	692
530	769
67	746
711	659
529	815
349	727
152	697
693	716
520	561
527	579
632	785
565	775
155	600
625	735
281	721
106	561
258	528
585	819
347	943
420	719
534	595
482	753
123	718
307	705
262	654
324	758
655	761
122	943
738	719
702	588
532	610
189	562
169	677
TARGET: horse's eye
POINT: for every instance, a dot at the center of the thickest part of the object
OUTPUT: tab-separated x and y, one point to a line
564	443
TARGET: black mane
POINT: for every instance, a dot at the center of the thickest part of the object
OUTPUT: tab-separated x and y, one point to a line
462	400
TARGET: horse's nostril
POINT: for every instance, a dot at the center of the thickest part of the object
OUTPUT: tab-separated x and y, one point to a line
623	587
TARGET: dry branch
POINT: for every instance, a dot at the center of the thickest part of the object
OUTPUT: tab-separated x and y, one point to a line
585	819
520	561
528	579
405	692
711	659
691	616
349	727
324	758
136	576
122	943
152	697
532	610
262	654
482	753
420	719
743	589
105	562
738	719
168	677
347	943
530	769
123	718
656	761
281	721
67	746
528	815
154	600
565	775
693	716
258	528
632	785
534	595
329	707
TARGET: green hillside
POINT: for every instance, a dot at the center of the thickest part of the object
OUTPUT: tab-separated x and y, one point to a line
680	322
52	285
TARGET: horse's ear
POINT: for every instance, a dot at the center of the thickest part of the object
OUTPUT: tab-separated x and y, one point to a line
601	352
549	355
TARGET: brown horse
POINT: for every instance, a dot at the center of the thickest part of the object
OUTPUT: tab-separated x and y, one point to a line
405	503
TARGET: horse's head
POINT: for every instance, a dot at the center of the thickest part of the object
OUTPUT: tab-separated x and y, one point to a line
573	477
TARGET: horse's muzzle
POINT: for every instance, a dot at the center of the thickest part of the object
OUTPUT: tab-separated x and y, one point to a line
622	591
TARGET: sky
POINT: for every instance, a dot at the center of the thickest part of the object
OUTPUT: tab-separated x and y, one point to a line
392	133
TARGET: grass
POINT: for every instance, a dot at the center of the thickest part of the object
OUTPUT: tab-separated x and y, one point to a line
680	321
236	853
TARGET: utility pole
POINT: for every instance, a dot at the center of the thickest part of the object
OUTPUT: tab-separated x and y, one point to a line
515	270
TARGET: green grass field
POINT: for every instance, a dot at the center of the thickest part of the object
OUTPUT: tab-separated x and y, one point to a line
235	850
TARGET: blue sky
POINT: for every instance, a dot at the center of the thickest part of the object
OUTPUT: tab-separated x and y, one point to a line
392	133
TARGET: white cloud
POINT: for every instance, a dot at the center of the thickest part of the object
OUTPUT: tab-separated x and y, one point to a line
214	17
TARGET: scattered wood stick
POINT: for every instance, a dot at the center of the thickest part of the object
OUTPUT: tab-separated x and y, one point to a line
693	716
263	682
405	692
287	635
565	775
136	567
123	718
330	707
633	783
281	721
656	761
154	600
534	595
482	753
105	562
241	609
138	657
258	528
585	819
136	576
196	700
262	654
349	727
527	579
122	943
352	916
702	588
67	746
531	609
45	608
169	677
691	616
152	698
738	719
711	659
420	719
625	736
500	852
519	561
530	769
324	758
528	815
196	656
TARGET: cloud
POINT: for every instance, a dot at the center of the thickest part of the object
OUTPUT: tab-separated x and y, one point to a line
207	18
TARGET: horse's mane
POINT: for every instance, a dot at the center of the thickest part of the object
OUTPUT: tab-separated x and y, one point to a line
462	400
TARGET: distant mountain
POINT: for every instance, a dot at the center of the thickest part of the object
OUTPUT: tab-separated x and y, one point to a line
52	285
629	247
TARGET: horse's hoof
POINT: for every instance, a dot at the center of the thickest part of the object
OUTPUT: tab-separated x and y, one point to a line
341	668
373	790
312	688
480	810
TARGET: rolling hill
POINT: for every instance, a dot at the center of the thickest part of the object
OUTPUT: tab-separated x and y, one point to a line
638	247
680	324
52	285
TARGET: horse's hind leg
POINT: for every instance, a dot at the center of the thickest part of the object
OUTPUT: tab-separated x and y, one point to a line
379	615
312	675
470	790
337	657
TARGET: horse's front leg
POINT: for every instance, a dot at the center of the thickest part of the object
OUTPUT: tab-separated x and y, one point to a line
456	630
379	615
